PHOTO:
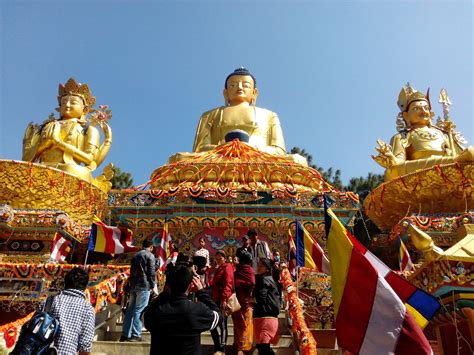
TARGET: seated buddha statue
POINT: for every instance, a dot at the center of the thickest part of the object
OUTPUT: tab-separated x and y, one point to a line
420	144
241	114
72	142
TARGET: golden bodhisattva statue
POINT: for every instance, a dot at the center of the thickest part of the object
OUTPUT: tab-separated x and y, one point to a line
240	114
72	142
420	144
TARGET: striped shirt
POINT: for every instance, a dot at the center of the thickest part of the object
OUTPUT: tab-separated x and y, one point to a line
76	322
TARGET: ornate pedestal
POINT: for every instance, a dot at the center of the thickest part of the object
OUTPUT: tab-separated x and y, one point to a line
36	202
220	194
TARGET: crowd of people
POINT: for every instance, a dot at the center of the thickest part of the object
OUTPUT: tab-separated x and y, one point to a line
200	294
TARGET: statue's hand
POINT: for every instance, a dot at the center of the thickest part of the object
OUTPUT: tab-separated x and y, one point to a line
385	158
55	134
30	141
49	131
92	166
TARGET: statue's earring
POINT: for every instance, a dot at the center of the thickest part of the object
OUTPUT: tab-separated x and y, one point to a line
226	99
84	113
253	102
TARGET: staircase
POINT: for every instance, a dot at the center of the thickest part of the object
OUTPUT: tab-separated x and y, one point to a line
109	330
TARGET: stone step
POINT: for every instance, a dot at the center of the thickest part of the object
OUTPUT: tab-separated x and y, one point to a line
206	338
116	348
285	341
115	335
107	341
282	324
143	348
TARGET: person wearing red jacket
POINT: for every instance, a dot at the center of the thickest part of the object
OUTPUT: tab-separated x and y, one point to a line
244	279
222	289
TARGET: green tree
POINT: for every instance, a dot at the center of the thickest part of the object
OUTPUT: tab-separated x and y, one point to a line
121	179
363	185
364	229
330	175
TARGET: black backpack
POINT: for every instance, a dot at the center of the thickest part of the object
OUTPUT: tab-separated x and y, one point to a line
37	335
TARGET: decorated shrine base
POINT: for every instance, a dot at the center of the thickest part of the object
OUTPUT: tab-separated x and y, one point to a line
39	187
223	221
440	189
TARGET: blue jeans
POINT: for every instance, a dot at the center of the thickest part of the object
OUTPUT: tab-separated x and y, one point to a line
132	323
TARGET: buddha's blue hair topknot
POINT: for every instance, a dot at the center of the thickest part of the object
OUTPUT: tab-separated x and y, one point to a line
240	71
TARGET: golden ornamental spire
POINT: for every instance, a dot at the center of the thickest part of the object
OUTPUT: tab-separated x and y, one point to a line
72	87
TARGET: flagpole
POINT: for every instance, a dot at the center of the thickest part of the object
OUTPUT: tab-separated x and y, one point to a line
297	281
72	251
85	259
88	243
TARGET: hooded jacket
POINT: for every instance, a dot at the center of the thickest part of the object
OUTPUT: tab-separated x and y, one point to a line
266	295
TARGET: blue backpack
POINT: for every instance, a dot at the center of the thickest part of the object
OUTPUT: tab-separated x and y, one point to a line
37	335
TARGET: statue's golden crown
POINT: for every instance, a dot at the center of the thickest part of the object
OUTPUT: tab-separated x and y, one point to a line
408	95
72	87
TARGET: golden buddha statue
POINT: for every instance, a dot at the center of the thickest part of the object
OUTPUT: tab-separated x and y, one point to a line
240	114
72	142
420	144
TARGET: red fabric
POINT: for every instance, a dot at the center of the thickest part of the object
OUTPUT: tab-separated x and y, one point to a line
10	336
356	303
223	283
411	339
244	280
402	287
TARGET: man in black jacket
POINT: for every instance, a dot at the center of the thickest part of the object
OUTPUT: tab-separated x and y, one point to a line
176	323
142	281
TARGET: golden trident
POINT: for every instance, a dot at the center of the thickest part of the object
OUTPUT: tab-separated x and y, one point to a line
445	102
446	124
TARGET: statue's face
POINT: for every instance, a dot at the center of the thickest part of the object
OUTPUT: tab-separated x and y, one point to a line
240	88
71	107
418	114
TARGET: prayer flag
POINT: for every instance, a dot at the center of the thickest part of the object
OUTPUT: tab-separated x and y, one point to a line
109	239
308	252
404	257
161	243
60	248
291	246
419	303
371	306
291	254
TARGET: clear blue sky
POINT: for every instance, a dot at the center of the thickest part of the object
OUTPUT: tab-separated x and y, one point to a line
332	70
